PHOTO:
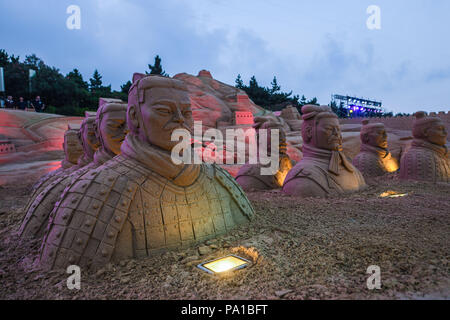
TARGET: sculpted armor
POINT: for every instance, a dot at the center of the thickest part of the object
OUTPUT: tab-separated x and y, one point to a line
374	159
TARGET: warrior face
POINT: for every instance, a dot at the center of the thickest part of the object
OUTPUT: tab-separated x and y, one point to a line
88	137
328	134
165	110
113	129
377	137
72	147
436	133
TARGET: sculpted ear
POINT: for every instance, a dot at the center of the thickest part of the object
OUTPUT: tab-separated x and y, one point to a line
132	118
308	133
365	138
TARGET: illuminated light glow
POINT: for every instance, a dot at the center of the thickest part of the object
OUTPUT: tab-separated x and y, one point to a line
392	194
228	263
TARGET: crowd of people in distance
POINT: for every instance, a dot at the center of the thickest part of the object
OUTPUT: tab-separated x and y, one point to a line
22	104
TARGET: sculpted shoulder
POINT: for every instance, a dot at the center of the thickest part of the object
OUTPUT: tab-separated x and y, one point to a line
227	181
304	181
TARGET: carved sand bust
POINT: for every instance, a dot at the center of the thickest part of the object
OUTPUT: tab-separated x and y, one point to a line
249	175
88	140
374	158
324	168
140	203
110	129
428	157
72	148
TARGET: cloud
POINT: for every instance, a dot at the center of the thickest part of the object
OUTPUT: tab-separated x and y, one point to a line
314	48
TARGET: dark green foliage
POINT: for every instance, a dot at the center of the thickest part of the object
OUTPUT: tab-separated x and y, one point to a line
126	87
340	110
239	82
67	95
95	81
271	98
157	68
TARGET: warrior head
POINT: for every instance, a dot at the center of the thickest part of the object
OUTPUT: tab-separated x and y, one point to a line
72	145
111	126
374	134
321	128
429	128
156	107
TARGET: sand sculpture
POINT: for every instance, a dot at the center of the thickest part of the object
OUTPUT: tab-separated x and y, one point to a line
89	141
428	158
109	128
374	158
249	176
73	150
324	168
140	202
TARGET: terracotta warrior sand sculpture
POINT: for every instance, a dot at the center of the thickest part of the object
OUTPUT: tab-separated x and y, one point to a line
374	158
140	202
73	150
89	141
428	158
249	176
109	129
324	168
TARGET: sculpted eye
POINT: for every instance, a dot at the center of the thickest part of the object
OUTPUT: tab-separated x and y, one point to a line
163	110
187	113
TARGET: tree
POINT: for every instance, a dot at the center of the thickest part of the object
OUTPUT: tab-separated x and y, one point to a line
14	59
303	100
32	61
157	68
4	58
95	81
275	86
239	82
77	78
126	87
313	101
340	111
270	98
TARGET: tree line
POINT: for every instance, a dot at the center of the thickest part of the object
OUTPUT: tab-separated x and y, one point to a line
272	98
70	94
63	94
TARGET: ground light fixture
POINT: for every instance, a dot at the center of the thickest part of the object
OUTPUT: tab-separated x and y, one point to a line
392	194
224	264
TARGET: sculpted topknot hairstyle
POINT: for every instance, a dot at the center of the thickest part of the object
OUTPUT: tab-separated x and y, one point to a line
312	114
422	122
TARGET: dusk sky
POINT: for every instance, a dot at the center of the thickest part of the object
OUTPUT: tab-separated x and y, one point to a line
315	48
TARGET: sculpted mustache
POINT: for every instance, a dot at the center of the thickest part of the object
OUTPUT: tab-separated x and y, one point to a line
333	138
185	127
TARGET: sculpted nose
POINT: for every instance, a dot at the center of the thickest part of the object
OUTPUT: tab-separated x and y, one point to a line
178	117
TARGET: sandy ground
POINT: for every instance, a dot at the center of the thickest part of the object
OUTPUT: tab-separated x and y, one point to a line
302	249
